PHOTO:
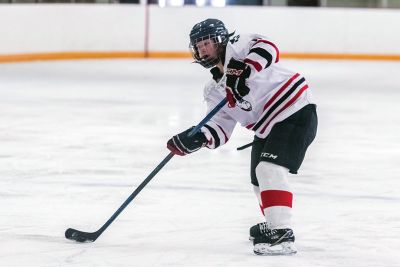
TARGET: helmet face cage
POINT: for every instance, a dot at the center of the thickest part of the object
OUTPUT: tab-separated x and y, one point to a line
207	62
214	30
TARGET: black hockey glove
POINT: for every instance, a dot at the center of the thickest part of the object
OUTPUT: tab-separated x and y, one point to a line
182	145
236	74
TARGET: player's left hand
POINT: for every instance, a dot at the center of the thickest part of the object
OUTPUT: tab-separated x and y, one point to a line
181	144
236	74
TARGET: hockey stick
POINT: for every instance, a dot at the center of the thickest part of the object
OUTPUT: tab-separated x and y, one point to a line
80	236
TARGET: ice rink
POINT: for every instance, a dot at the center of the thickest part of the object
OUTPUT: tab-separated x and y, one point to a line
76	138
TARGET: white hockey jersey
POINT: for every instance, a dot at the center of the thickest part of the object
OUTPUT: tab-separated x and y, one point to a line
275	92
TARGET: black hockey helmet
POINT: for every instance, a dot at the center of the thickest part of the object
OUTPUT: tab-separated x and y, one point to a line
213	29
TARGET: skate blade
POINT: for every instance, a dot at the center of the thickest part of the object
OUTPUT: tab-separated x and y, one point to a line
251	238
285	248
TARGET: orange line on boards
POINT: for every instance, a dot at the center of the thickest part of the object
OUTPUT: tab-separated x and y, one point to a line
25	57
68	56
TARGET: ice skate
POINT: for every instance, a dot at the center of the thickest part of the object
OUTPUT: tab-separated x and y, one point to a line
275	242
257	230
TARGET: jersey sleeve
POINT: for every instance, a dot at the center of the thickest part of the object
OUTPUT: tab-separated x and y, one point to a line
262	54
219	129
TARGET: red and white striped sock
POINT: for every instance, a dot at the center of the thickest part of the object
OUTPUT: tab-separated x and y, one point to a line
276	196
258	195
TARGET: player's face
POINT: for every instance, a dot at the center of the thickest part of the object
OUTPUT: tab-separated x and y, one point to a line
207	48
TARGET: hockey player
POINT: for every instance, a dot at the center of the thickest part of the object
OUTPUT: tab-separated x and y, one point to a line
266	98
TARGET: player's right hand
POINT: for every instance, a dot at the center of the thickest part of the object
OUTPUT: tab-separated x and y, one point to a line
236	74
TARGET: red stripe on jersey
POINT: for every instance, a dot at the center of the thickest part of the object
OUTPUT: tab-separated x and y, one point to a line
210	142
250	126
280	91
226	137
255	64
291	101
271	44
271	198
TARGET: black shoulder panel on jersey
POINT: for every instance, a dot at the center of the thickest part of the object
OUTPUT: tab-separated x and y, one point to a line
262	53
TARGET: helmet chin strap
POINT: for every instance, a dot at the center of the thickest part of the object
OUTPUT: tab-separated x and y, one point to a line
208	62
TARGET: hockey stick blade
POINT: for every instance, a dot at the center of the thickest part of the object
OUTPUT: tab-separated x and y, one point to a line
79	236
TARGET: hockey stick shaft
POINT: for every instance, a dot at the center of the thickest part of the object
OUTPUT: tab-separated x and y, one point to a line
208	117
74	234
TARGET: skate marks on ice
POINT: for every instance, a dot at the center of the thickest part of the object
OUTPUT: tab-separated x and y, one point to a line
79	136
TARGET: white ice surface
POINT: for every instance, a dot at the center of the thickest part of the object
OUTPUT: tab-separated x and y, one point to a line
76	138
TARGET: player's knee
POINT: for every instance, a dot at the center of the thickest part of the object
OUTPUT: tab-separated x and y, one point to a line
270	175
